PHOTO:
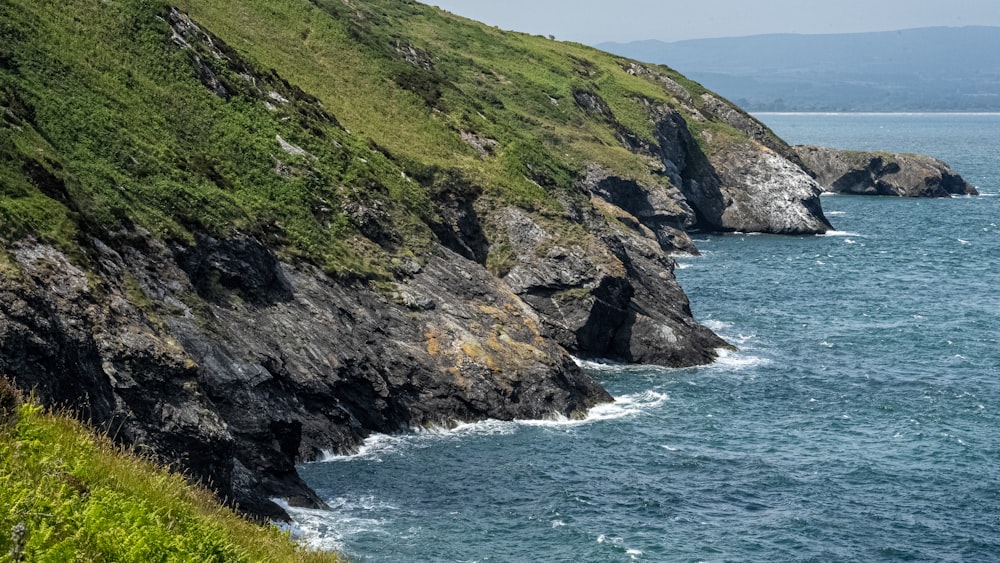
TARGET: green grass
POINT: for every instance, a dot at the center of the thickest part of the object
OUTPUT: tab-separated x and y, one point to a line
379	93
69	495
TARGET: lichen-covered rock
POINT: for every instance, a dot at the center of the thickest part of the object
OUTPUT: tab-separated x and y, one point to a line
237	377
880	173
765	192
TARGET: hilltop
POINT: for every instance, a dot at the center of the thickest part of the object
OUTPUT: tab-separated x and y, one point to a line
240	234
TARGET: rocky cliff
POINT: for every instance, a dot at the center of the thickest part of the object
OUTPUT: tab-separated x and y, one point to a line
880	173
243	233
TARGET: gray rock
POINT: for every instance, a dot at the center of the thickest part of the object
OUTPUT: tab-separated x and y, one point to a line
879	173
733	172
741	186
270	363
611	295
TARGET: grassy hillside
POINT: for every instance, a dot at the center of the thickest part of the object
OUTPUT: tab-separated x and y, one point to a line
71	496
327	128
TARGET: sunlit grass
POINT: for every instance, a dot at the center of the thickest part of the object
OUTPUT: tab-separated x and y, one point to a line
70	495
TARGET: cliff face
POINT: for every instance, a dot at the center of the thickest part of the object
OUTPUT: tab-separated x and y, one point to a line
877	173
235	364
244	236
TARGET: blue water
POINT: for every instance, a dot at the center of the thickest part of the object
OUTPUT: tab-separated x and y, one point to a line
860	420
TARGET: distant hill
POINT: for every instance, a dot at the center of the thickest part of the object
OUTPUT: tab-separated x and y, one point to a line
926	69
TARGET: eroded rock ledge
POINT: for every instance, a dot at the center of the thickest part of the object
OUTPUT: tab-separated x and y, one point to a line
881	173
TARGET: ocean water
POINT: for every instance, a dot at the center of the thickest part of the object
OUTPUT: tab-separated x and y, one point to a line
859	420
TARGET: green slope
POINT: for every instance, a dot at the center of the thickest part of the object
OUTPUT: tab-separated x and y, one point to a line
69	495
339	124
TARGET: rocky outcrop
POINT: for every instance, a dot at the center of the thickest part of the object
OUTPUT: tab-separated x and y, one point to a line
731	170
235	378
765	192
614	296
880	173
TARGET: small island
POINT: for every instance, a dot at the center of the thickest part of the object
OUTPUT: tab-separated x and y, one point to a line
882	173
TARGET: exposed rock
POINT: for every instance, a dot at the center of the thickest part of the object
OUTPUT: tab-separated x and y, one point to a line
767	193
275	365
746	187
483	145
612	296
664	211
880	173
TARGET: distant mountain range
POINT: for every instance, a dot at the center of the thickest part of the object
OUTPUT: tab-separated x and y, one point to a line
926	69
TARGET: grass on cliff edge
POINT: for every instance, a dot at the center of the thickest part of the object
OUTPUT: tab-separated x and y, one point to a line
69	495
106	123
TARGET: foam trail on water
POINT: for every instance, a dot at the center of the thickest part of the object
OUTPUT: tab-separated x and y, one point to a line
329	530
378	445
623	407
594	365
716	325
373	447
840	234
731	360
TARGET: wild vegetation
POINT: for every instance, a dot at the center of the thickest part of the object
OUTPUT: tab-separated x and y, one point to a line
123	114
338	133
70	495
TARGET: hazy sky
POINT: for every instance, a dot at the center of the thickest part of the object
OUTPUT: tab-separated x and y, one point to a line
593	21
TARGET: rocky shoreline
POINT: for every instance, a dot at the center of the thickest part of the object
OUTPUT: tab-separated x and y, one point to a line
233	358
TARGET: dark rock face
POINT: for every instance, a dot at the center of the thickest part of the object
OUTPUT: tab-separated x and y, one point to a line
665	212
874	173
240	384
615	298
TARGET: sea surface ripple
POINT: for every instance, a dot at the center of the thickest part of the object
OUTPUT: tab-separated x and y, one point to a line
859	420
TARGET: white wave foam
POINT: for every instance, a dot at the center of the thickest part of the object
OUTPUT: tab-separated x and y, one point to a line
731	360
594	365
836	213
716	325
373	447
840	234
624	406
378	445
328	530
682	266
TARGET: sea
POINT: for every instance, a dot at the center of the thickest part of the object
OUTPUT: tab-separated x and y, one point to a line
859	419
